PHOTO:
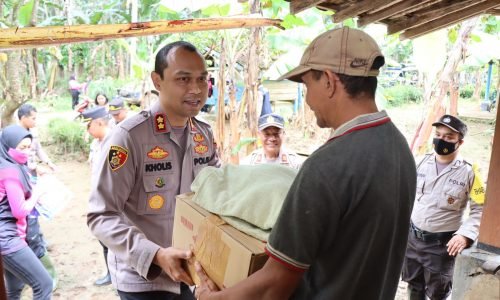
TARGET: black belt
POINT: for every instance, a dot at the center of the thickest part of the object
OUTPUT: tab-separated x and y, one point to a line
430	236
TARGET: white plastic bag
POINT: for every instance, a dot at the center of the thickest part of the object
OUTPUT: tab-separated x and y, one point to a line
53	195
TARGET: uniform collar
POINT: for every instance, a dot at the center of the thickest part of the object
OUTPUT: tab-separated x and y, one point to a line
457	162
160	120
359	123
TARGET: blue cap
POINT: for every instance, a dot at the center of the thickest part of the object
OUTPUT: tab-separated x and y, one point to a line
269	120
116	105
93	113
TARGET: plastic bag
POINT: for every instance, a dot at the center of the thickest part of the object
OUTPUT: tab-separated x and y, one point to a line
52	194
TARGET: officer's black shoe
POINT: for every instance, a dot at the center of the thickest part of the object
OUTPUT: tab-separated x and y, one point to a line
105	280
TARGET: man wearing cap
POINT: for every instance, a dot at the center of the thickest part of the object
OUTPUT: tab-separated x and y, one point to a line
438	230
97	120
271	132
117	110
342	230
150	158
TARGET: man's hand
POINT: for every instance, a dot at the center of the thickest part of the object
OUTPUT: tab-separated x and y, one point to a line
457	244
206	284
171	260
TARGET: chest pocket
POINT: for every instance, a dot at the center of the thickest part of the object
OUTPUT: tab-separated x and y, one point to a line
157	198
454	198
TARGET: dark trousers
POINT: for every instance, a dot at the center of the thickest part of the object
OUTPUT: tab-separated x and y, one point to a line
105	253
428	267
74	98
34	237
158	295
23	267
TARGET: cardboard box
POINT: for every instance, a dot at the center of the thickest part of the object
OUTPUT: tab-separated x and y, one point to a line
227	255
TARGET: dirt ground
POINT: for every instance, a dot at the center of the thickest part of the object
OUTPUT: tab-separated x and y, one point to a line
78	256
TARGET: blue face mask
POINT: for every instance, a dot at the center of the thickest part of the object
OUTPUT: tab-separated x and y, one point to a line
443	147
18	156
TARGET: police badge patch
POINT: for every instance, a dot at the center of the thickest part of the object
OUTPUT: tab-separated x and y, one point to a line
117	157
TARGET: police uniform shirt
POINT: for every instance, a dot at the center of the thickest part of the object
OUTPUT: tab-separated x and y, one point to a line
285	158
132	208
442	198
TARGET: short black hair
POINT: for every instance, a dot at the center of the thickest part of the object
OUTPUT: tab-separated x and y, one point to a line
161	57
357	85
25	110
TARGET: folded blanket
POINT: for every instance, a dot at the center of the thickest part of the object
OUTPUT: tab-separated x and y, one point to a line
247	197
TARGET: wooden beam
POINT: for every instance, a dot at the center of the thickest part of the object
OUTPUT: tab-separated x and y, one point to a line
32	37
429	14
490	222
297	6
449	19
359	8
398	8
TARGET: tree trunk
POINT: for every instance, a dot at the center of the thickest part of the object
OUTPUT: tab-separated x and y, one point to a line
221	86
14	94
251	91
477	89
454	92
436	106
121	66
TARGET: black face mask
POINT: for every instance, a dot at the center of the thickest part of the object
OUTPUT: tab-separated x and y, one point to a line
443	147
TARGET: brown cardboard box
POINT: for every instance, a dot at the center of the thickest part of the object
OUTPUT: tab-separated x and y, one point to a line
227	255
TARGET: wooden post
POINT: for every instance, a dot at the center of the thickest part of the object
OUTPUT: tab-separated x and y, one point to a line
454	96
251	92
490	222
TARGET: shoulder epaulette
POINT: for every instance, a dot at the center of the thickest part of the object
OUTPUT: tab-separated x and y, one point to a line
201	120
135	120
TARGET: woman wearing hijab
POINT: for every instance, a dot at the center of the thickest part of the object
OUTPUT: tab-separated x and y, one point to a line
21	265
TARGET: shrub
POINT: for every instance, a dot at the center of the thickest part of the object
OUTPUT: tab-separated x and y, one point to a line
402	94
466	91
68	137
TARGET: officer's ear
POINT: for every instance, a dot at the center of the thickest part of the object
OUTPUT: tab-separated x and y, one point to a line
156	78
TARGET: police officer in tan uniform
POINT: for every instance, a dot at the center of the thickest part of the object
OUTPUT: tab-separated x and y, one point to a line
97	121
438	231
271	134
152	157
117	110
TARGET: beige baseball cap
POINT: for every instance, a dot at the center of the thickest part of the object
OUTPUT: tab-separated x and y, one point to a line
343	50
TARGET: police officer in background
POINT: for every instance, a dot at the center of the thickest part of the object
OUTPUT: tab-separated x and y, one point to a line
117	110
97	121
150	158
438	232
271	134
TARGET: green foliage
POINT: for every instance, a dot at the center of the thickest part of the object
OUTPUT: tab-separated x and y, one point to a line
55	103
24	16
402	94
108	86
466	91
216	10
67	136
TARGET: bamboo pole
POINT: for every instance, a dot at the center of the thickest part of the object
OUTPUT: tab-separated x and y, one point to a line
33	37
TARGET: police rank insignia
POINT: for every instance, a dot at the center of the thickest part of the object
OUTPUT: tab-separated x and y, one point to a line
201	149
451	200
198	138
117	157
159	182
157	153
160	125
156	202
